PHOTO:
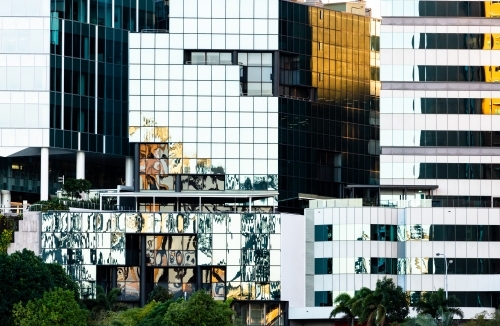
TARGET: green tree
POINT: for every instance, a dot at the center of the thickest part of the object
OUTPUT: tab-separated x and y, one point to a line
358	299
431	302
485	319
7	228
129	317
49	205
74	187
5	238
442	319
160	294
201	310
26	277
103	301
387	304
56	307
155	317
343	304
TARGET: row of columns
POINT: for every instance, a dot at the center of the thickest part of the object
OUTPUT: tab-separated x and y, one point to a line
80	171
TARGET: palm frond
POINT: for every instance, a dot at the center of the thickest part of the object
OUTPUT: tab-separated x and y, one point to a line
381	313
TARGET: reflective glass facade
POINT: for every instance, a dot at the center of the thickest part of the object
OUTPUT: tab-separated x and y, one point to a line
231	255
285	83
65	63
89	89
439	103
329	101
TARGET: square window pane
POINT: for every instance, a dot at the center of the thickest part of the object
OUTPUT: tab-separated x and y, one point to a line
254	59
267	59
197	58
254	74
213	58
254	89
225	58
243	58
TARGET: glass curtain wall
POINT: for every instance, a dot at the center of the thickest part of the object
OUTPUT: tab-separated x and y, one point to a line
329	102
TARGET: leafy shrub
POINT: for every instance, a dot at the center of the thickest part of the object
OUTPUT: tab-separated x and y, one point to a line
56	307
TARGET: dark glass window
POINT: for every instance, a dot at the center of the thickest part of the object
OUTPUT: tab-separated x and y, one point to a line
146	14
125	14
456	73
323	299
382	232
459	171
451	9
380	265
322	266
70	9
322	233
468	299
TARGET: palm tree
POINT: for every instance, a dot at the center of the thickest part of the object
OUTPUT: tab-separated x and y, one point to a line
351	307
343	306
431	302
444	319
374	311
385	305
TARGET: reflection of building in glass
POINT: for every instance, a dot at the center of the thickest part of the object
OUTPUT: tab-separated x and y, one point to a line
229	255
284	98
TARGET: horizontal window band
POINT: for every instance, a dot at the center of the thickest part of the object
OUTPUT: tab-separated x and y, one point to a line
440	86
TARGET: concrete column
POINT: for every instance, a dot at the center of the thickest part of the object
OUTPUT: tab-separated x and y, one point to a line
80	165
129	171
44	173
5	198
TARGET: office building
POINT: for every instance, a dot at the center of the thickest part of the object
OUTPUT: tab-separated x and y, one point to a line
236	109
255	96
438	107
355	245
64	92
438	191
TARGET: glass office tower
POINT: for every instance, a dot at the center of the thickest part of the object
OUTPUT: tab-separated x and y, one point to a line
328	91
234	98
439	107
64	66
438	165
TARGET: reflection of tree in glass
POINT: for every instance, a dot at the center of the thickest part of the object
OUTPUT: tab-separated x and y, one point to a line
402	233
416	232
360	266
247	185
402	265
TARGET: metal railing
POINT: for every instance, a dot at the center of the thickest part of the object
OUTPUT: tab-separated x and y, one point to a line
15	209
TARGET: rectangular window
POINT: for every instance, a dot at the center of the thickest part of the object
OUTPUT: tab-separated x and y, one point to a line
209	58
322	266
322	233
323	298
